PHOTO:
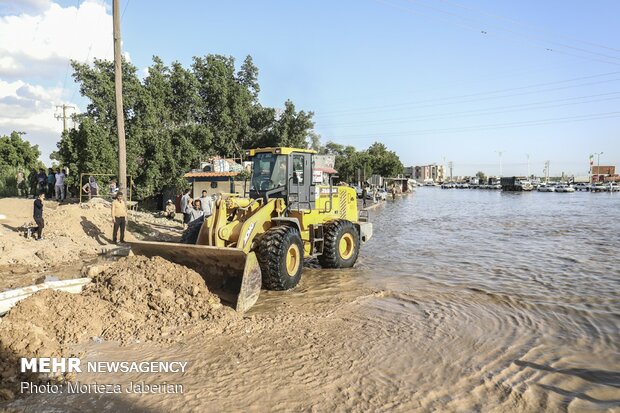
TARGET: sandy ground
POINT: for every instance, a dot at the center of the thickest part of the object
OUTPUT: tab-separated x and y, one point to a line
74	234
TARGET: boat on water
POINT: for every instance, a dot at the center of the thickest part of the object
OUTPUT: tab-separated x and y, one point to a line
564	188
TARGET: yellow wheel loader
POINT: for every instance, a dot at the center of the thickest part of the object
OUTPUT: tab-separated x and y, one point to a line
262	239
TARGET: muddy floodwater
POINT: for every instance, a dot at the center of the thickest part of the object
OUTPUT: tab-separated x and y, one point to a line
464	300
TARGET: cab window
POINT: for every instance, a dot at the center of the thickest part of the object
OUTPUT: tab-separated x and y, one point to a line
298	169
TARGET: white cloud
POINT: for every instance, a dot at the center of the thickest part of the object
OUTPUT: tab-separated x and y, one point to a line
41	45
38	40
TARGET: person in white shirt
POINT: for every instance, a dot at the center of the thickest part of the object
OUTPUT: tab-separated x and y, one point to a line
196	212
207	204
59	187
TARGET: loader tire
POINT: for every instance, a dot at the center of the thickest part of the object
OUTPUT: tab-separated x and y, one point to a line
281	258
341	245
190	235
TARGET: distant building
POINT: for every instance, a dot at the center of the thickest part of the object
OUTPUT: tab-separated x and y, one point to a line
425	173
604	173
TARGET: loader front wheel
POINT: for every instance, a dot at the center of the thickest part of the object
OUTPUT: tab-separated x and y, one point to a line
342	245
281	258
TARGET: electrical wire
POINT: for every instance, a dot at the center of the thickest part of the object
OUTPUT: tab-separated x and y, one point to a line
528	25
478	112
458	98
477	128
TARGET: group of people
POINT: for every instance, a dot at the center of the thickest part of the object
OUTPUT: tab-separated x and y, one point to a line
192	209
51	183
119	216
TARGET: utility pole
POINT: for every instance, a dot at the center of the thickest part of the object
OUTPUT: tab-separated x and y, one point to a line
500	162
598	166
118	90
546	171
528	165
450	164
64	115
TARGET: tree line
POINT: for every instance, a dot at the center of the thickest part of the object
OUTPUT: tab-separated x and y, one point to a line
18	155
176	116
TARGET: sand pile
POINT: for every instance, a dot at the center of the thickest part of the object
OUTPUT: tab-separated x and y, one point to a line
153	299
136	299
72	232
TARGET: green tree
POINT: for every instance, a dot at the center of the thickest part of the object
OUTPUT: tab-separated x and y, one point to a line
16	154
481	176
384	162
175	117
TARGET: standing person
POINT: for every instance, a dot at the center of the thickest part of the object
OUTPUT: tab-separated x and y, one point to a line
196	212
113	189
38	215
51	181
91	187
41	181
19	179
207	204
364	193
186	205
119	215
393	190
59	185
375	194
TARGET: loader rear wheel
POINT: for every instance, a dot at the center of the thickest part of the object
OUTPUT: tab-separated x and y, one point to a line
281	257
342	245
190	235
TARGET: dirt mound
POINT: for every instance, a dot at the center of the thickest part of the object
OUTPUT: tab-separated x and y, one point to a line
73	232
135	299
153	299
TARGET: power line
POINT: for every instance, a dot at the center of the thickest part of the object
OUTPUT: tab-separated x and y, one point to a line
538	122
486	33
508	30
125	8
417	103
478	112
529	25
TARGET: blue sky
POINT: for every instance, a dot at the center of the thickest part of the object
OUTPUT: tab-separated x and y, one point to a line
434	80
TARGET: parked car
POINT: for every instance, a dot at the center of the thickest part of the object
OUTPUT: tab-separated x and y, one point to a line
599	187
581	186
564	188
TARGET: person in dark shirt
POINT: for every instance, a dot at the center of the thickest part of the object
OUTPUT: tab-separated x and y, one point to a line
38	214
41	180
51	181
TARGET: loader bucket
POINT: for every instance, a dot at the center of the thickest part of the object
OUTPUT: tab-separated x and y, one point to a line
230	273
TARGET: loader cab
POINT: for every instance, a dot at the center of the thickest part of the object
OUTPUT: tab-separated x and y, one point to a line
283	173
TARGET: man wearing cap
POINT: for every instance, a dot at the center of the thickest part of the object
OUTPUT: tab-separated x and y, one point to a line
171	210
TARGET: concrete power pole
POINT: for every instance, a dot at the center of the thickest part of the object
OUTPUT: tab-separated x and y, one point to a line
500	162
528	165
118	90
64	115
